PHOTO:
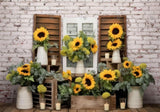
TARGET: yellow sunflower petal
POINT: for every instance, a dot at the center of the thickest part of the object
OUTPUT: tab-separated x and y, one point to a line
88	82
108	75
40	34
77	88
127	64
115	31
77	43
137	73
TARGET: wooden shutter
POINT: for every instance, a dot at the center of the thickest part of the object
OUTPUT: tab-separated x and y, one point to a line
53	24
104	23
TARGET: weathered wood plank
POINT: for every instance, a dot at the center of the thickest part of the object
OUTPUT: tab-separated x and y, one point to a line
81	110
47	20
10	108
110	21
73	110
134	110
28	110
99	110
48	26
90	110
38	110
142	110
150	109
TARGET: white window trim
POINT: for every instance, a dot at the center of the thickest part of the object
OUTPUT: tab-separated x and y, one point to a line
79	21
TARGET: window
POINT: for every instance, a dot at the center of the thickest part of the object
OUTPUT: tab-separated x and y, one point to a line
71	27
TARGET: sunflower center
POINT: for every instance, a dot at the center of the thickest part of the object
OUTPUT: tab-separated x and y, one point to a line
137	73
77	89
41	34
127	64
108	76
24	71
25	66
77	43
92	46
115	31
114	44
88	82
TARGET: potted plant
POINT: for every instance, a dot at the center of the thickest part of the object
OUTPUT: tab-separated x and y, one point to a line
88	92
135	79
22	76
115	34
78	49
28	76
41	41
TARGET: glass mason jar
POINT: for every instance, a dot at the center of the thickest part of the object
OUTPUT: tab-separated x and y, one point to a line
53	60
42	101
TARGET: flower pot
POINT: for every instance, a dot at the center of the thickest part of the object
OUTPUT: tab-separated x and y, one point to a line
135	98
42	56
24	98
80	67
116	56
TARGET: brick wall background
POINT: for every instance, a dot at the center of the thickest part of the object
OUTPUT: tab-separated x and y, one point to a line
143	23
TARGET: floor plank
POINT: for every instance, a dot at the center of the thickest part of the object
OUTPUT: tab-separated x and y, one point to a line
147	108
134	110
29	110
141	110
10	108
38	110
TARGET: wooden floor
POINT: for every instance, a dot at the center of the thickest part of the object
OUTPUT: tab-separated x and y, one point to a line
147	108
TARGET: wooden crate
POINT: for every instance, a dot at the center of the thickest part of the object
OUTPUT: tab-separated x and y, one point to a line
91	102
53	24
50	95
104	24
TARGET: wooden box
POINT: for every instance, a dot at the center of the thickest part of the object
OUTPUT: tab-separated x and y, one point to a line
50	95
91	102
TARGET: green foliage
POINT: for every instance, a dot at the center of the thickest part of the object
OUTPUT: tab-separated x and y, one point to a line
64	91
130	80
101	67
83	53
16	79
44	44
38	75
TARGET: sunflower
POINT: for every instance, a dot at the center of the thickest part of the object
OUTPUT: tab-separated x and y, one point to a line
136	68
127	64
22	71
94	48
115	31
77	43
26	66
77	88
88	82
137	73
116	44
90	40
70	78
40	34
108	75
68	72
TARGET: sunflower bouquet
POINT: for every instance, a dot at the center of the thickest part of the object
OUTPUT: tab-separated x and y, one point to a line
41	38
115	34
134	76
78	48
29	74
22	75
96	85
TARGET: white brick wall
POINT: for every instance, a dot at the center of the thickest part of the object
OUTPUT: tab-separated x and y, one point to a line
143	30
